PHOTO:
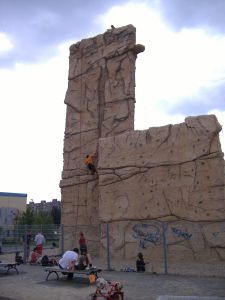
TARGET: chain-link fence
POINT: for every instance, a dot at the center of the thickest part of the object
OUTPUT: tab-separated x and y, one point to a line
21	238
175	247
91	234
169	247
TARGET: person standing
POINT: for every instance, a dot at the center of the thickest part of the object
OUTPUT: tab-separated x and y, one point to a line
39	240
82	244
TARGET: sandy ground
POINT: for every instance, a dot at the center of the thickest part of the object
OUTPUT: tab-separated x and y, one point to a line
31	284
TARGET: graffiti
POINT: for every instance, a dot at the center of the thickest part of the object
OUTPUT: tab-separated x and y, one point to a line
104	234
146	233
179	233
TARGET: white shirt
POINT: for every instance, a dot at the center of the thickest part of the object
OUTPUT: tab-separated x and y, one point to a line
68	257
39	239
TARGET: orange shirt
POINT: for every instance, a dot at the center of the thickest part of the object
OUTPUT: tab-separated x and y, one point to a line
89	160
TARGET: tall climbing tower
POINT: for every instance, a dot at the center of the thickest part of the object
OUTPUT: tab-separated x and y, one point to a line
100	103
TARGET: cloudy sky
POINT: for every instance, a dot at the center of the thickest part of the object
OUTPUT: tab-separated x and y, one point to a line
180	74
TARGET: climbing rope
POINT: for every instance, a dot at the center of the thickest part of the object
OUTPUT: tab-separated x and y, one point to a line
78	198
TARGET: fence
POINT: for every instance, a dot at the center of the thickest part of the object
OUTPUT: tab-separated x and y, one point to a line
175	247
170	247
21	238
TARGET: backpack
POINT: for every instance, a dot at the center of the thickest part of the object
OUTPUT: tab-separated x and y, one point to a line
45	261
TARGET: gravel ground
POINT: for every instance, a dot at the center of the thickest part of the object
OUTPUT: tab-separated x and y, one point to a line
30	284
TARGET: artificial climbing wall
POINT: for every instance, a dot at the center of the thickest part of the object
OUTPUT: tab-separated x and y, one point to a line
100	103
172	174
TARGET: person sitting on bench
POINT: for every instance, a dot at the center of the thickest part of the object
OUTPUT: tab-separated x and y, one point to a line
84	262
68	261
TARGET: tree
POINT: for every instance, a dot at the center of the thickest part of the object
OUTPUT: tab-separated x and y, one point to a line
27	217
43	218
56	215
30	218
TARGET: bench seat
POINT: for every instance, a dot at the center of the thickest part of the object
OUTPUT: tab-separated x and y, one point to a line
9	266
58	270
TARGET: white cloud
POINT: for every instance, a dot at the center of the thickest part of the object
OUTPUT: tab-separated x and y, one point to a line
221	118
32	121
5	43
175	66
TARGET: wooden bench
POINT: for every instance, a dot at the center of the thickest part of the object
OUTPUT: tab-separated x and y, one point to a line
58	270
9	266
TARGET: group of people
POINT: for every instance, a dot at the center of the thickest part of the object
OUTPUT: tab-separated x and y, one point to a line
78	259
36	254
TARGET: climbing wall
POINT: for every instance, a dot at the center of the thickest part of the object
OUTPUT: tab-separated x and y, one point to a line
100	103
173	170
173	174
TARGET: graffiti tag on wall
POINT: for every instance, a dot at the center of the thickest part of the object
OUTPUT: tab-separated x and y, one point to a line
147	234
180	233
104	234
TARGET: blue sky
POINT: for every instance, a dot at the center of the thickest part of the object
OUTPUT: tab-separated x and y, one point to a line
180	74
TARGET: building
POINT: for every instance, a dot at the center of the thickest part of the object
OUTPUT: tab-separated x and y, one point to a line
11	204
44	206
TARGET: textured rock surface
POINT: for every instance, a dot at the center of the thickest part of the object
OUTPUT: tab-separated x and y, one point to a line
186	241
100	102
174	170
173	173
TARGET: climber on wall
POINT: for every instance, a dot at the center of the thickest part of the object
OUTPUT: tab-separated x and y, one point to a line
89	161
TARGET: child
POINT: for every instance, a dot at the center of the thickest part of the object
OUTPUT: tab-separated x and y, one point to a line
140	263
34	256
18	258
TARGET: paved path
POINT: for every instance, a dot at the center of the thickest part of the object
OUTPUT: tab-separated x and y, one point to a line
31	284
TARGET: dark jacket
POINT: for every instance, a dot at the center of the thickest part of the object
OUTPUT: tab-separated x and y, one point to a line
140	265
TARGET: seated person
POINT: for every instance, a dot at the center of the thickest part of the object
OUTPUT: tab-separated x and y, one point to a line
18	258
140	263
68	261
84	261
46	261
35	257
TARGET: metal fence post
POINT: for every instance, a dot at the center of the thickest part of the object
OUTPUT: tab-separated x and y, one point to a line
25	244
108	247
164	247
17	237
62	239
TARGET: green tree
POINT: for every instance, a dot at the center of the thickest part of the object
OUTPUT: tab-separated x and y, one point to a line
56	215
27	217
43	218
30	218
